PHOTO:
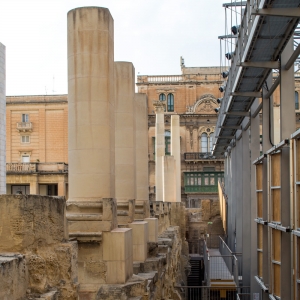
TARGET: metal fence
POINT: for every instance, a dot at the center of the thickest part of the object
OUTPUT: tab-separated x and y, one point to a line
233	263
216	293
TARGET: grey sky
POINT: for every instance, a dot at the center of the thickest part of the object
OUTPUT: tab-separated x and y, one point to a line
153	34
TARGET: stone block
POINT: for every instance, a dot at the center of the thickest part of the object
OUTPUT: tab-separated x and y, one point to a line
152	229
118	255
29	221
140	238
13	276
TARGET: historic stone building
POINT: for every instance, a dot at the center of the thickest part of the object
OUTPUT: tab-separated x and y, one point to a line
193	96
37	145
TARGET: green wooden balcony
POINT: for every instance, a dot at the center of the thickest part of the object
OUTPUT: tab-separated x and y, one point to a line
202	182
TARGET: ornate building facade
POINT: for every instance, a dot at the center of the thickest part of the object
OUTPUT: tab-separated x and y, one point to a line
193	96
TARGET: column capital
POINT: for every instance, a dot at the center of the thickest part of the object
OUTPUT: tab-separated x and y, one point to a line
158	107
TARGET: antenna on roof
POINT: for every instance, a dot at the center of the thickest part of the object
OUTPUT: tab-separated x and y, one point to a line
182	62
53	91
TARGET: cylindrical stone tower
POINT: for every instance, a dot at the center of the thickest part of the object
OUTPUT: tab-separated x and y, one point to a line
91	103
124	131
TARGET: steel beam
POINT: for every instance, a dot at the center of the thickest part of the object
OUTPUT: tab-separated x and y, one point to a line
228	36
228	137
287	127
292	59
273	88
260	64
278	12
254	153
246	94
257	110
238	113
231	127
287	95
230	4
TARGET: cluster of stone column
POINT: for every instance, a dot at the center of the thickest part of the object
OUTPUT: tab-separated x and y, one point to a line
108	152
167	167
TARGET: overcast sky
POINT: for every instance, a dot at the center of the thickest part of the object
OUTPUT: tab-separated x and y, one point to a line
152	34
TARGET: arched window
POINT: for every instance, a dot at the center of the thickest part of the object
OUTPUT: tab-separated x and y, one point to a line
162	97
170	102
211	140
296	100
204	142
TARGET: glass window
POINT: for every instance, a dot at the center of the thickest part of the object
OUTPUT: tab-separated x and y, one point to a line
199	179
25	158
167	142
162	97
296	100
25	139
170	102
211	140
204	142
25	118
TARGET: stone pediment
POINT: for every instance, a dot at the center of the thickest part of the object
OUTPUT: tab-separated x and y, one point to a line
205	105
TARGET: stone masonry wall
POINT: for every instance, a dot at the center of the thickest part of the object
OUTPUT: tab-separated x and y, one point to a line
34	226
204	220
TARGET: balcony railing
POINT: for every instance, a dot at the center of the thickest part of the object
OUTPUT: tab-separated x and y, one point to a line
165	78
198	155
24	126
21	167
36	167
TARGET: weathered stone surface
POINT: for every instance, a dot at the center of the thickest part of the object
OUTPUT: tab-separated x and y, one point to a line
13	276
34	225
29	222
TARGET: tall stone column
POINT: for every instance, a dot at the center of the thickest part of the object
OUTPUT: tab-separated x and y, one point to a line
2	121
141	135
159	149
169	183
91	209
125	180
91	104
175	151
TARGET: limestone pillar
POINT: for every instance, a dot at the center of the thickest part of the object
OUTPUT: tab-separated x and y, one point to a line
34	185
2	121
125	183
169	179
140	238
159	149
175	152
152	229
91	208
141	135
91	104
61	188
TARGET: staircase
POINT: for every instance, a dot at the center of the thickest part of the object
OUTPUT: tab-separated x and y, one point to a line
195	278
